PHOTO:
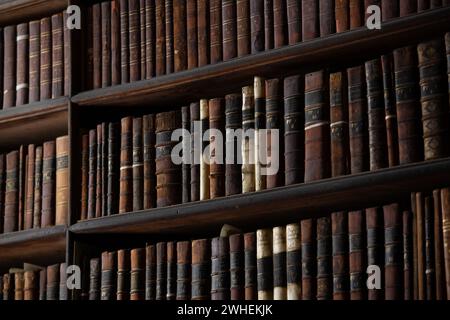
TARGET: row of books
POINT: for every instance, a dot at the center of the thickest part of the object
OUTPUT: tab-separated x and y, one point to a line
34	61
391	110
34	184
35	283
131	40
332	257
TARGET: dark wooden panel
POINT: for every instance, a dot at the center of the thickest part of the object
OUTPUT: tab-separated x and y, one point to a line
14	11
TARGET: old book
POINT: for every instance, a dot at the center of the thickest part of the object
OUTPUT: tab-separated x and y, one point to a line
57	55
191	34
104	167
327	19
123	274
389	9
264	264
243	27
97	45
203	26
168	174
194	112
112	171
124	42
53	282
161	270
31	285
310	19
376	113
294	133
229	31
340	152
359	151
309	263
160	25
150	272
237	267
9	66
116	72
94	278
171	287
1	94
375	250
2	191
183	283
204	165
1	287
280	23
407	7
67	57
106	43
45	76
62	181
8	287
11	192
340	237
268	25
42	284
233	121
438	246
22	70
408	106
279	263
89	44
38	178
169	36
356	9
357	255
447	46
220	269
134	37
324	259
248	123
260	124
415	265
215	29
433	94
250	266
294	21
150	38
423	5
99	170
149	138
256	26
126	162
22	187
143	39
294	261
108	276
342	13
180	35
63	289
201	270
408	286
137	274
217	168
18	286
186	165
317	127
393	252
92	174
445	198
430	270
29	198
138	168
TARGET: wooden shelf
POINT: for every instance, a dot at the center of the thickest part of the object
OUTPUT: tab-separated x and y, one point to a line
34	122
281	205
14	11
37	246
209	81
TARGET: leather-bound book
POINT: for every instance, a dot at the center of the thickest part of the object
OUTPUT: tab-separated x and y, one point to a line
408	107
143	39
279	263
150	272
42	284
203	32
67	46
123	274
215	29
186	166
134	37
29	197
243	27
407	7
310	19
430	270
11	192
2	192
150	38
89	44
340	237
8	287
393	252
183	285
171	270
340	152
31	285
229	32
423	5
116	67
194	112
376	113
53	282
1	95
317	127
415	252
375	243
356	14
37	206
99	170
22	187
260	124
264	264
45	76
92	174
169	36
18	286
268	24
217	170
389	9
447	46
161	270
62	180
433	98
204	166
168	175
1	287
57	55
294	132
9	66
180	35
438	246
256	26
108	276
250	266
220	269
126	163
390	109
357	255
137	274
294	261
160	51
94	279
138	168
22	71
324	259
201	269
327	17
149	138
445	198
309	263
124	42
106	43
191	34
342	13
248	123
280	23
408	286
97	44
113	163
294	21
63	290
233	121
237	267
359	151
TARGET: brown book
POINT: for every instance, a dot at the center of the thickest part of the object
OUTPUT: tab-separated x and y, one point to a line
48	184
63	289
317	127
324	259
22	73
161	271
22	187
137	274
445	198
356	14
256	26
310	19
1	91
408	107
408	286
217	170
204	166
201	270
9	66
294	132
415	265
203	26
115	42
18	286
191	34
126	162
150	272
62	180
186	167
31	285
89	43
97	45
220	269
2	192
42	284
342	13
180	35
53	282
34	60
8	287
160	52
430	270
67	43
123	274
248	123
57	55
99	171
168	174
407	7
169	36
171	286
113	163
359	151
260	124
447	46
150	38
268	25
375	250
423	5
294	261
433	98
106	43
194	110
215	29
250	275
393	252
233	121
143	39
29	198
280	23
124	42
11	192
138	168
340	246
279	263
94	279
149	161
294	21
38	178
237	267
243	27
183	286
308	234
134	40
45	59
229	31
438	246
389	9
327	19
340	152
92	168
357	255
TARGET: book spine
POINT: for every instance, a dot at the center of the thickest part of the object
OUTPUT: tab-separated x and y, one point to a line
279	263
92	174
104	166
342	12
62	180
248	123
134	36
438	246
375	251
97	45
447	46
22	70
112	187
22	187
63	290
48	184
2	193
6	287
53	282
250	266
160	52
9	66
356	14
1	86
201	270
191	34
150	272
137	274
256	26
445	202
260	124
237	267
415	255
138	169
324	259
150	38
196	139
34	60
317	127
389	9
18	286
407	7
327	19
217	126
423	5
229	31
310	19
94	279
11	192
294	21
99	180
45	59
171	271
37	206
308	235
106	43
294	132
357	255
204	166
29	197
203	26
408	286
149	139
268	25
186	167
294	261
180	35
31	286
116	68
280	23
340	236
126	162
220	269
430	271
89	44
393	252
216	32
169	36
108	276
57	55
183	285
264	264
143	38
233	121
243	27
123	275
124	43
67	57
42	284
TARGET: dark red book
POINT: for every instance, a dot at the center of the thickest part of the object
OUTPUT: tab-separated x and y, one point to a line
229	32
280	23
203	32
342	13
356	13
124	42
192	42
9	66
310	19
116	49
180	35
160	52
294	21
126	163
407	7
134	40
138	165
150	38
169	36
143	39
243	27
256	25
389	9
215	20
327	18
